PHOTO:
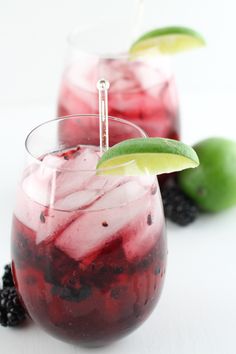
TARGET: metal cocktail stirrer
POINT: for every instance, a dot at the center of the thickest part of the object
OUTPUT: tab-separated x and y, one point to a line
103	87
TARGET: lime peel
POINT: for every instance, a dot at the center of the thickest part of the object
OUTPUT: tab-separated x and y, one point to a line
167	40
147	156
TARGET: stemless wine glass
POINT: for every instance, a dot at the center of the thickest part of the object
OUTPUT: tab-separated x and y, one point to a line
88	250
142	90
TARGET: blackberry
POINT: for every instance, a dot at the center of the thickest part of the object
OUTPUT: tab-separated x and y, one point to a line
118	292
3	318
7	279
72	294
11	311
177	206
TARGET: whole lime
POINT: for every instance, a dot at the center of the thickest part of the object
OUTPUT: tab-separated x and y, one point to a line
212	185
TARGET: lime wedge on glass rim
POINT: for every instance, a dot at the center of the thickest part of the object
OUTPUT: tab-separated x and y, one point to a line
167	40
147	156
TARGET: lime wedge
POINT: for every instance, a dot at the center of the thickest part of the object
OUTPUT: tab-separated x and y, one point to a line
167	40
147	156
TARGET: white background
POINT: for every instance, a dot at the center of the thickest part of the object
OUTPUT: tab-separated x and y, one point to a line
197	311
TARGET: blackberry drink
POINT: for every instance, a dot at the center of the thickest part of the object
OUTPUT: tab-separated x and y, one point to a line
89	250
142	91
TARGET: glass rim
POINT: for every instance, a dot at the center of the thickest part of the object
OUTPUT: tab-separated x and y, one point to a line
71	39
159	65
74	116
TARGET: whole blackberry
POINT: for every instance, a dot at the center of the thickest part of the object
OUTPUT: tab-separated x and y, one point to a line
7	279
11	311
177	206
3	318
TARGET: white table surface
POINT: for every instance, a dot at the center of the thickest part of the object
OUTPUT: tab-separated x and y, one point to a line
197	310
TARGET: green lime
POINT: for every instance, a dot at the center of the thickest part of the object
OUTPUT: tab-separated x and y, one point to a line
147	155
167	40
213	184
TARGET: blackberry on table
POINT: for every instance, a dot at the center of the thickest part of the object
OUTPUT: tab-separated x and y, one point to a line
7	279
11	311
177	206
3	318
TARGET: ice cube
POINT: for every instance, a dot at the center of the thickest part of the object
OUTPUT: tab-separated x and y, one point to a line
70	182
68	198
51	161
53	222
97	183
27	210
148	76
112	69
106	183
78	172
76	200
120	74
143	233
62	214
38	182
125	102
125	84
93	229
147	181
36	190
119	196
96	187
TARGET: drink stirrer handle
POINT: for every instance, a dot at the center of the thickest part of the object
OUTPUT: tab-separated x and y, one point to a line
103	87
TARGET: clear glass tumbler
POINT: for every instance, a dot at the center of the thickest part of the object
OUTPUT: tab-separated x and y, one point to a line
142	91
88	250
